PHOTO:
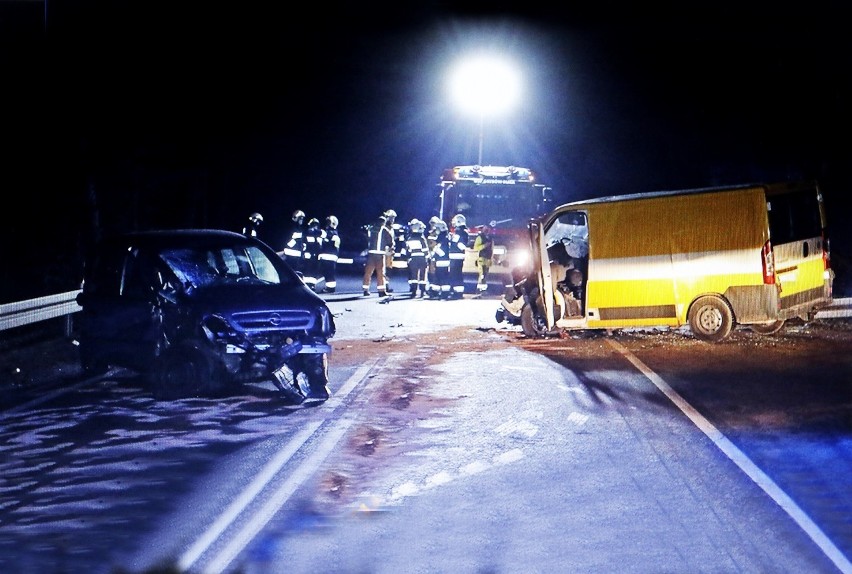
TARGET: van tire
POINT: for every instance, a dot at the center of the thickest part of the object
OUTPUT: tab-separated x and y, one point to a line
768	329
528	323
533	326
711	319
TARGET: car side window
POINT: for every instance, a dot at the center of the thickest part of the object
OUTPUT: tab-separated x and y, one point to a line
105	274
229	258
139	279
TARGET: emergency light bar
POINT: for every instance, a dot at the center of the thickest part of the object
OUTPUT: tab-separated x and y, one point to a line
489	174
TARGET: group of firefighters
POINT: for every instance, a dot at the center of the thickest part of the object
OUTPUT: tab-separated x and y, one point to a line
311	250
434	259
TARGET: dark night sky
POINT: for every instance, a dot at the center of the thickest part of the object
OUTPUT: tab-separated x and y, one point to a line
196	114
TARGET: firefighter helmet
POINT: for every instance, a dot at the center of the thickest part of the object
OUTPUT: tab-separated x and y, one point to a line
298	215
331	221
441	225
416	226
390	214
256	218
458	220
314	222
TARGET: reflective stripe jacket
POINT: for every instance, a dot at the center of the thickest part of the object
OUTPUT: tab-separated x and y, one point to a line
458	242
379	240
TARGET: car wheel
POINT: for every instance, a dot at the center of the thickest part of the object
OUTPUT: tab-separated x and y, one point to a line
711	319
181	372
92	363
768	329
316	369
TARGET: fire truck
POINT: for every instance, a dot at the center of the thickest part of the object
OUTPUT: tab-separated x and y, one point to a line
502	197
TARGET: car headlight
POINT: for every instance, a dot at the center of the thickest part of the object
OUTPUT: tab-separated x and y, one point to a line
216	328
325	324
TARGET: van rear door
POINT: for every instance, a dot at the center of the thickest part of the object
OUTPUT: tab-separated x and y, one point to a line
797	229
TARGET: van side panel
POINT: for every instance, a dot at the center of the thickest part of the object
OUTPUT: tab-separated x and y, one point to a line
649	258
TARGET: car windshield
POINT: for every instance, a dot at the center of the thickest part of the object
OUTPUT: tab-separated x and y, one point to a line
200	267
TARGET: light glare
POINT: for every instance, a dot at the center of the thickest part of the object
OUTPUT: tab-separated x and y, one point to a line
485	86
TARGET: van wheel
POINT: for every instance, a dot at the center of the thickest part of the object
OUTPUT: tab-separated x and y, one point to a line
533	325
711	319
768	329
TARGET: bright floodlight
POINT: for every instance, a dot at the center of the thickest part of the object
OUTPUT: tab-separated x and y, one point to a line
485	86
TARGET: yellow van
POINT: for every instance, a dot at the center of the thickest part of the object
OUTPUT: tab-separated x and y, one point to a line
710	258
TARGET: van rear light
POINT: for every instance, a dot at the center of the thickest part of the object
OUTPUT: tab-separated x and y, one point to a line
768	260
826	253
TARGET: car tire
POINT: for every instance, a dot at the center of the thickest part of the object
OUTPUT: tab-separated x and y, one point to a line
316	369
92	363
183	371
711	319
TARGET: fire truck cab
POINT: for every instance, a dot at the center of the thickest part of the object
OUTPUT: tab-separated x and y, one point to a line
502	197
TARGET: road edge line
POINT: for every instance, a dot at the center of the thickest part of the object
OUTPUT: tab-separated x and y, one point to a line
745	464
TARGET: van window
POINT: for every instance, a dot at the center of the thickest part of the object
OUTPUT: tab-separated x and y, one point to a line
568	236
794	216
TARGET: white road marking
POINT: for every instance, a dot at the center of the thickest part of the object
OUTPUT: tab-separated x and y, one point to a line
306	469
741	460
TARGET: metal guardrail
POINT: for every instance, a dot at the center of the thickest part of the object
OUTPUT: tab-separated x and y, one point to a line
23	313
65	304
841	307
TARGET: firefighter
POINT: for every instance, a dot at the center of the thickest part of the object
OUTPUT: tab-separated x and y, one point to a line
431	239
458	248
250	230
313	245
400	234
294	246
379	247
416	252
484	247
439	285
329	254
390	260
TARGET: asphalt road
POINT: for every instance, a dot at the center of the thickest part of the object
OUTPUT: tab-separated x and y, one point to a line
450	444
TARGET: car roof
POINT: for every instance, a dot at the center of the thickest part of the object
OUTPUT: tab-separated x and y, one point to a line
158	238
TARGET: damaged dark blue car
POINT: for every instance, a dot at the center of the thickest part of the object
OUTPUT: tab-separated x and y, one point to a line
199	312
